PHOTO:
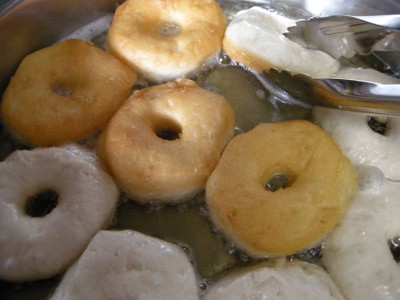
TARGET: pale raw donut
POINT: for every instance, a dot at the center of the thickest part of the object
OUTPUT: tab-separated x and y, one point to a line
255	38
129	265
361	144
164	142
351	131
366	74
164	40
248	205
276	280
83	200
357	253
65	92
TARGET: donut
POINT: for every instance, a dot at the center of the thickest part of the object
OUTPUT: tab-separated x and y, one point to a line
280	188
164	142
255	39
365	140
65	92
362	253
129	265
276	280
164	40
52	203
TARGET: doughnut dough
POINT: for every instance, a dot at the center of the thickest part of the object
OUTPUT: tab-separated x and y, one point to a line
164	142
255	39
65	92
276	280
263	222
164	40
362	145
357	253
34	247
129	265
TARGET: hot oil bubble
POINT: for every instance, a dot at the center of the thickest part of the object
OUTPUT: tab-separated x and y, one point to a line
204	284
312	255
224	59
371	179
394	246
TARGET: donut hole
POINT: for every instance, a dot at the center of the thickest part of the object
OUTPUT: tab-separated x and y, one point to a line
63	90
394	246
279	180
42	203
167	129
378	125
169	29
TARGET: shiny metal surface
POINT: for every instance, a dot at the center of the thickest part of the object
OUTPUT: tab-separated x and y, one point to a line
351	7
346	36
26	26
331	7
360	96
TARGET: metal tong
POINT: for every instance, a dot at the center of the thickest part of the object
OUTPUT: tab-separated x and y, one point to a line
344	36
351	95
348	35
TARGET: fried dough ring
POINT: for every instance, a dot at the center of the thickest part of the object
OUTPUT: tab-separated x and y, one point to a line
265	222
164	40
164	142
65	92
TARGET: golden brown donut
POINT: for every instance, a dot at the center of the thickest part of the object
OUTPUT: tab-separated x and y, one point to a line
245	200
164	40
164	142
65	92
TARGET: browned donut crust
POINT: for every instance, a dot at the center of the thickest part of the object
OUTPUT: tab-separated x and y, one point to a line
164	40
279	221
65	92
164	142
